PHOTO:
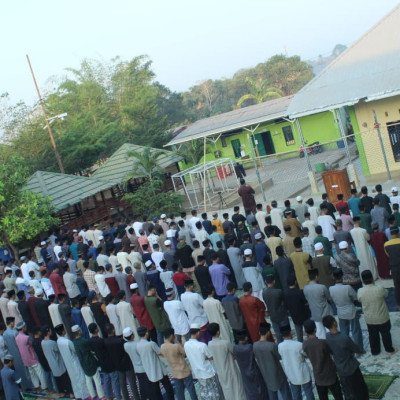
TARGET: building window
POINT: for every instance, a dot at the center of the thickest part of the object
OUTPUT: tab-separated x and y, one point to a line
236	147
288	134
394	135
223	141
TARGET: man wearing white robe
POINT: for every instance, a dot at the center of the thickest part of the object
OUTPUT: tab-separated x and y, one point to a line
71	361
126	316
277	216
361	241
216	313
227	369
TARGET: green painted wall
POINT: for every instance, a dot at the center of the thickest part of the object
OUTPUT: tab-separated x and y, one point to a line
359	142
318	127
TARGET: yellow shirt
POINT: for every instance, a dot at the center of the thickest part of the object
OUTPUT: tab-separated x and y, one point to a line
301	266
218	224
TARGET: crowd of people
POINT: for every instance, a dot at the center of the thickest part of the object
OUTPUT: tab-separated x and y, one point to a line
136	308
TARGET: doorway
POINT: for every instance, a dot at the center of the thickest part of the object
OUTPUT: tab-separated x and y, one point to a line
265	145
394	135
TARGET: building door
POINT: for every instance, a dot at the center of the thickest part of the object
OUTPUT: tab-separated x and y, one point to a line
394	135
268	143
236	147
259	143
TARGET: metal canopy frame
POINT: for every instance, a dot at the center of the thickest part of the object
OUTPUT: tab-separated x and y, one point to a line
207	180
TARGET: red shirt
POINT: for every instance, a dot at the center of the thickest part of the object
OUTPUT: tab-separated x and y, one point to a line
31	305
179	278
130	279
341	204
57	283
112	285
140	310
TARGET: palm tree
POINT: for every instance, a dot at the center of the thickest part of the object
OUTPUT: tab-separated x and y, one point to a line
192	151
145	165
261	92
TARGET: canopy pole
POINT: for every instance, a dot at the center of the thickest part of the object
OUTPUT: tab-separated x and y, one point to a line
204	175
254	160
378	130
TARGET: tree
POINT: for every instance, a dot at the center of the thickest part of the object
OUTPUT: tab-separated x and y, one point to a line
150	199
23	214
261	92
192	152
146	164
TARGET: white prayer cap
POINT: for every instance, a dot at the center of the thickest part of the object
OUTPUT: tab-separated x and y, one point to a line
167	243
248	252
75	328
133	286
318	246
195	326
299	198
20	325
38	292
148	263
257	236
395	189
162	216
23	258
43	243
118	266
75	231
343	245
101	237
127	332
7	269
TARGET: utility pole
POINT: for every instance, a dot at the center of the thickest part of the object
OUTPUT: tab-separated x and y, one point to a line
378	130
53	143
251	130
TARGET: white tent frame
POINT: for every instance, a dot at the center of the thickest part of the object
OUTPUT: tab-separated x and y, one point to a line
206	173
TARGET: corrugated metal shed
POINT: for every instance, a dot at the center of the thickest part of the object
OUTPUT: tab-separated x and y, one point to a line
233	120
369	69
119	164
65	190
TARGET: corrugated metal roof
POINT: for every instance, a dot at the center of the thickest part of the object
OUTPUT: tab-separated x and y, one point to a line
370	68
233	120
120	164
65	190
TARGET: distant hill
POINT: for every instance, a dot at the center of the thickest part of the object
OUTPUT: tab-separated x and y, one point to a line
321	62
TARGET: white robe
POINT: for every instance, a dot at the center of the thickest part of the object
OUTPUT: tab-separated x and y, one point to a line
88	317
260	217
74	368
276	219
215	313
111	311
360	238
227	369
125	314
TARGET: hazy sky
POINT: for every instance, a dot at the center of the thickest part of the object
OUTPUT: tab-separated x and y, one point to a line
187	40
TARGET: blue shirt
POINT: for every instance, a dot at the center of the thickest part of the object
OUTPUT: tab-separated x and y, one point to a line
10	378
207	226
74	251
219	276
261	249
92	251
353	204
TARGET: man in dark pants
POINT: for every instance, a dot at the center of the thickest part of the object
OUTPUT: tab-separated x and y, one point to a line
276	307
119	358
376	314
347	366
392	249
319	354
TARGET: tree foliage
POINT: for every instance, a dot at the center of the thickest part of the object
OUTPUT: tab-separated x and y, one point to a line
146	164
149	199
261	92
113	102
23	214
193	151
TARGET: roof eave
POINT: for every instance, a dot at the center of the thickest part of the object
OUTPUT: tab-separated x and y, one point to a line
219	131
